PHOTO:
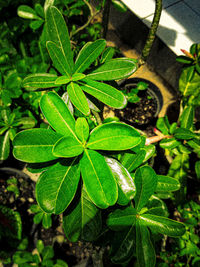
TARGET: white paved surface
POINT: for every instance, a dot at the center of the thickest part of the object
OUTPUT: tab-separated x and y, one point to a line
180	21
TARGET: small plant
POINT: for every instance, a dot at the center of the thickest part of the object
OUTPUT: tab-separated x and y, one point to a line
132	93
41	216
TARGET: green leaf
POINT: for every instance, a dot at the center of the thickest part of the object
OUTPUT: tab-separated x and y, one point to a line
82	129
163	125
186	86
98	179
169	143
144	250
38	217
40	246
131	160
61	182
123	179
197	169
78	98
39	80
184	134
145	182
113	136
63	80
105	93
157	207
57	114
78	76
163	225
166	184
88	54
123	246
36	24
26	12
187	117
47	253
4	146
107	54
121	219
35	145
46	220
58	33
59	61
114	69
67	147
84	221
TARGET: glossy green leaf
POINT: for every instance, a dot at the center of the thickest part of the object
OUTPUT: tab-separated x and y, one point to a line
145	252
98	179
166	184
78	76
157	207
4	146
113	136
84	221
145	182
107	54
46	220
38	217
58	33
123	246
63	80
59	61
67	147
163	225
123	179
131	160
88	54
186	86
78	98
197	169
61	182
82	129
41	80
163	125
3	129
35	145
114	69
105	93
57	114
121	219
26	12
184	134
150	151
169	143
187	117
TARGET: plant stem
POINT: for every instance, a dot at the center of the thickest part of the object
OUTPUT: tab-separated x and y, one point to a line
152	33
92	15
105	19
97	117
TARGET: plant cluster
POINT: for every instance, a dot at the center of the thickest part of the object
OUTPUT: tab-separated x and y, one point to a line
97	173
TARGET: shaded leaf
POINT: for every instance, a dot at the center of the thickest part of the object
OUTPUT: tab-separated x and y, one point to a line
184	134
123	179
105	93
187	117
4	146
145	182
131	160
84	221
163	225
61	182
144	250
114	69
88	54
41	80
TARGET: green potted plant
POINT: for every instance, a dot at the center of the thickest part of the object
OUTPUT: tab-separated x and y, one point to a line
91	170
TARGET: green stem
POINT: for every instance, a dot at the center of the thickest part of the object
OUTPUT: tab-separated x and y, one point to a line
97	117
152	33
